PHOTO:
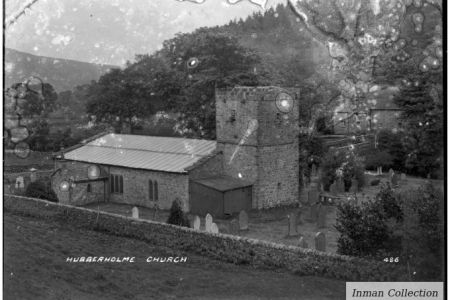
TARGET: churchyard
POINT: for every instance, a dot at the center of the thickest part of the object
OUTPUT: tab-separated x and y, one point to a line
285	225
35	267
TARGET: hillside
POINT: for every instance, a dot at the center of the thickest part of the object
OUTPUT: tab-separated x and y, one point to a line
36	249
62	74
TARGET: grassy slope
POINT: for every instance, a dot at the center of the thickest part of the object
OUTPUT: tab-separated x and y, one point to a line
35	268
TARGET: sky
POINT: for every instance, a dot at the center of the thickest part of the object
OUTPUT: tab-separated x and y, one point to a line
114	31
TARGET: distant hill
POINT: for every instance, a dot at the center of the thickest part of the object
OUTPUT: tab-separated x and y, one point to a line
62	74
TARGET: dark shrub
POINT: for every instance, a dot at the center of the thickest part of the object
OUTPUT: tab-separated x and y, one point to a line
408	225
177	216
311	152
363	231
389	202
378	158
391	143
41	190
375	182
424	237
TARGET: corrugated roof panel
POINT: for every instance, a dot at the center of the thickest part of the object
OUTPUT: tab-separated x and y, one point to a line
144	152
223	183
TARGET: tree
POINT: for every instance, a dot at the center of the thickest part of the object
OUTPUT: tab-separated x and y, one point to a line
32	99
365	37
118	99
424	127
177	216
202	62
28	104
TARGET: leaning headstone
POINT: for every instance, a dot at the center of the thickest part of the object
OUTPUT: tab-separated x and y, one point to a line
403	177
135	212
20	183
340	185
313	196
234	226
292	224
243	220
322	217
320	241
197	222
333	188
214	228
354	187
302	243
208	222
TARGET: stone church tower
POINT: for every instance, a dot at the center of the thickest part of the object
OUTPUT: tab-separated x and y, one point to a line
257	131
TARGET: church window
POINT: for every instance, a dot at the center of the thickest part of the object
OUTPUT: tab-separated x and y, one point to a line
153	190
116	184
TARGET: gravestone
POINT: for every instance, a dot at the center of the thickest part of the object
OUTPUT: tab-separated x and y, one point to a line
320	241
403	177
292	224
302	243
313	212
243	220
20	183
197	222
135	212
313	196
214	228
333	188
234	226
208	222
304	195
322	217
354	187
391	173
379	170
340	185
33	175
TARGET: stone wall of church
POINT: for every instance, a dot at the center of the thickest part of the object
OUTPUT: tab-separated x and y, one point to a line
136	189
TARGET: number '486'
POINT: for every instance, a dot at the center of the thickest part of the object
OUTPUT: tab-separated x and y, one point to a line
391	259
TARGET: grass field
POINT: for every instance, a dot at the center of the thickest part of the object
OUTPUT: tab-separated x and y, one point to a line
34	268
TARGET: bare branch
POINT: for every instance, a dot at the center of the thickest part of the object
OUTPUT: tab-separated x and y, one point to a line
14	16
327	38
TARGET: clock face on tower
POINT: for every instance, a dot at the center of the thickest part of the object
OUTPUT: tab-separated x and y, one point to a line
284	102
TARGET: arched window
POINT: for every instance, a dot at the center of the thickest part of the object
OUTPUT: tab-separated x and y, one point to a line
116	184
153	190
150	190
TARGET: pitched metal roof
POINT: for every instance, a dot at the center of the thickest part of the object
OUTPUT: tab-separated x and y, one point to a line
166	154
223	183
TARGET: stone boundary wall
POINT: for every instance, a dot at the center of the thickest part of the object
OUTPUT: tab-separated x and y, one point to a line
238	250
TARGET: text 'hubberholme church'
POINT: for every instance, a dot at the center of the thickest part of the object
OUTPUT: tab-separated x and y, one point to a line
253	163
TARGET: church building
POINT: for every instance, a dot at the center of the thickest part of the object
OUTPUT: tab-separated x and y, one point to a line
252	164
